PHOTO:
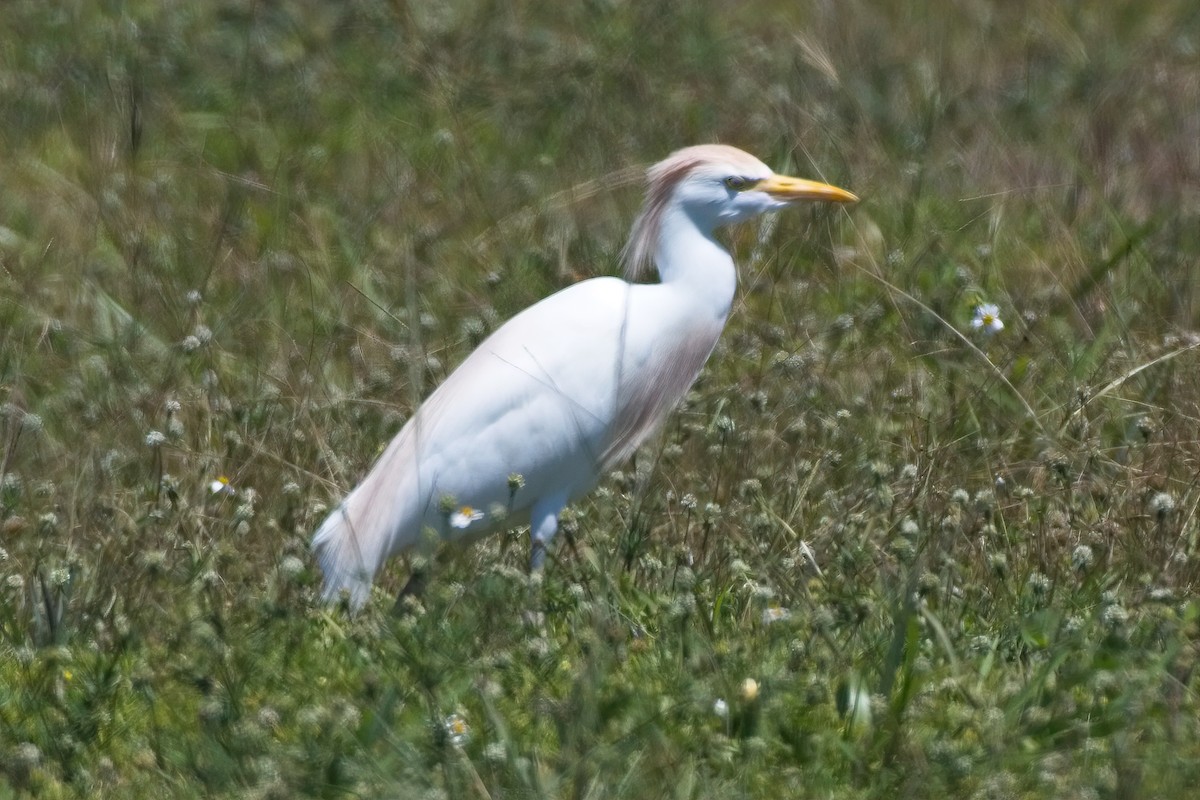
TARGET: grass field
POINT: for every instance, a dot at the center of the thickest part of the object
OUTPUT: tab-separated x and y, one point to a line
878	553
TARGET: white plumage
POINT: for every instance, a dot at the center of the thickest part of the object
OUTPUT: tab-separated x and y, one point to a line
569	387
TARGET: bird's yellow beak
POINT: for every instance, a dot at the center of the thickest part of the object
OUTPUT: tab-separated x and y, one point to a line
781	187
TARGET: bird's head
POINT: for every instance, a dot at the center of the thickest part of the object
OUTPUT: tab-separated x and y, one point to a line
715	185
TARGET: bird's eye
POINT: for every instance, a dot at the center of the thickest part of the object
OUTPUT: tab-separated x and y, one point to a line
736	183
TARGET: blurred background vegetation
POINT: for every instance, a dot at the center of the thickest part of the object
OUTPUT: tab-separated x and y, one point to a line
876	553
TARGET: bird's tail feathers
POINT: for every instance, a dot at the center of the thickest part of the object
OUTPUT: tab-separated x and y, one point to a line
338	549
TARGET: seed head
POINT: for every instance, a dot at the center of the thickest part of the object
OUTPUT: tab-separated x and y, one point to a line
1161	505
1082	558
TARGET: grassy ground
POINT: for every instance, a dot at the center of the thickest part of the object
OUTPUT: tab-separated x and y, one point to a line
876	554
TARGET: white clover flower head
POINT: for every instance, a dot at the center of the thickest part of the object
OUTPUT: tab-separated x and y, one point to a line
155	438
721	708
1162	504
1038	583
463	517
775	614
1162	594
761	591
457	730
221	486
268	717
987	318
1082	558
683	605
194	297
291	566
649	563
27	755
1114	616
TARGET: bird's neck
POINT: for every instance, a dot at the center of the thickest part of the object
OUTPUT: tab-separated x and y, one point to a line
689	257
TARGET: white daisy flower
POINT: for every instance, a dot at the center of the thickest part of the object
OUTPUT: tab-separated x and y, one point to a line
457	730
221	486
464	517
987	318
774	614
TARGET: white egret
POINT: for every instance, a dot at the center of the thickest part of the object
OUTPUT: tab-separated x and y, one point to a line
568	388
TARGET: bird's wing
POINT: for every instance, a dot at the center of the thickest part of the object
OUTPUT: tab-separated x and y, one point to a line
560	394
536	398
